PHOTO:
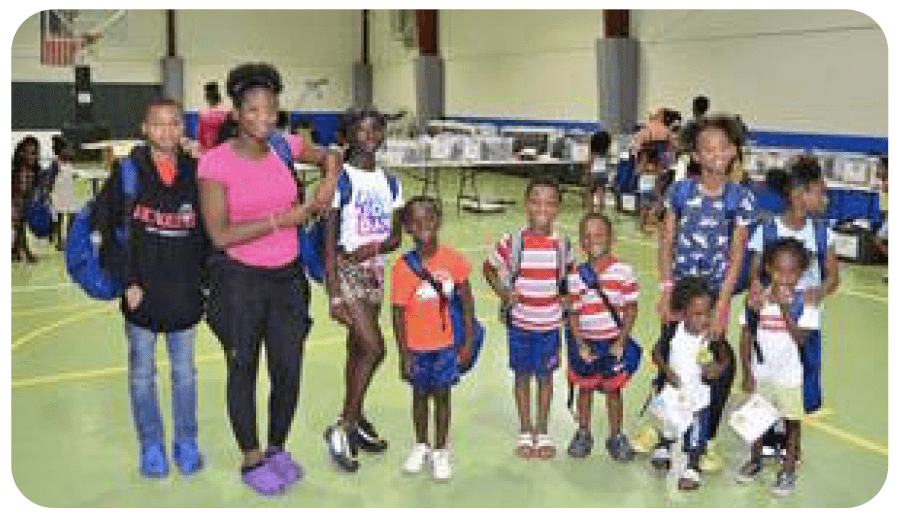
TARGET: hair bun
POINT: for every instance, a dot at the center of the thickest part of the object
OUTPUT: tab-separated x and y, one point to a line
249	75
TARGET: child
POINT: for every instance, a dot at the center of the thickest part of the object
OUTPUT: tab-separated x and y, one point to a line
424	331
604	293
162	265
685	364
804	193
533	264
359	233
775	329
706	226
597	170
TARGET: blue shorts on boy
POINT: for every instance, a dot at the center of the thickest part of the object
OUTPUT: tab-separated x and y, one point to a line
605	365
434	371
533	352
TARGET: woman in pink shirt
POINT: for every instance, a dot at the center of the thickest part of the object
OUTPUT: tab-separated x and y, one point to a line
251	206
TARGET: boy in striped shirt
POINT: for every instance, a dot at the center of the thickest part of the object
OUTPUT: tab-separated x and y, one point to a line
602	356
527	272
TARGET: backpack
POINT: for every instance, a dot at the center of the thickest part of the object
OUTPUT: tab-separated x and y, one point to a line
312	238
454	302
820	231
508	280
82	255
39	215
685	190
631	351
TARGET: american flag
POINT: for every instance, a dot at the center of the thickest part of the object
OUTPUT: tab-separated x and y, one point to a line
58	45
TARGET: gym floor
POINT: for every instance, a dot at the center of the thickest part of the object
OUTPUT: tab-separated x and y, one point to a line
73	440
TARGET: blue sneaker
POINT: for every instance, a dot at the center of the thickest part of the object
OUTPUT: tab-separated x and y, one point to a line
187	456
153	461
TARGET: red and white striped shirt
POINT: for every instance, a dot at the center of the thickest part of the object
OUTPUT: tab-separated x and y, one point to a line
618	282
539	307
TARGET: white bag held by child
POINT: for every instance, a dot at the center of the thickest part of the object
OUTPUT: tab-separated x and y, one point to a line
752	419
675	407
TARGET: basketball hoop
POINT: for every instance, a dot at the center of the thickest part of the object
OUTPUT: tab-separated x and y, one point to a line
69	36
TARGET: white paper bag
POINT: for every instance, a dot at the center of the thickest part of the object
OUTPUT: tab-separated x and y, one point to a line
752	419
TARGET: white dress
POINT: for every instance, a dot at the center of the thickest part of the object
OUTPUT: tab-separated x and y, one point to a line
63	195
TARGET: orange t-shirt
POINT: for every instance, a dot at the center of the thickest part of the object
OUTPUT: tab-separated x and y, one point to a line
166	170
426	330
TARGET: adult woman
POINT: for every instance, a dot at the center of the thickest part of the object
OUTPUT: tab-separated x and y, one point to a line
251	206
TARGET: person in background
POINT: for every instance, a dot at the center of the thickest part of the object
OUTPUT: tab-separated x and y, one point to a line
881	242
252	206
699	108
597	172
211	117
25	169
62	190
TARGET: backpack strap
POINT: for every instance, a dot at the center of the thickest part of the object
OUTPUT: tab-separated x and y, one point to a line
681	192
820	230
394	185
414	262
517	246
128	182
280	146
589	276
564	248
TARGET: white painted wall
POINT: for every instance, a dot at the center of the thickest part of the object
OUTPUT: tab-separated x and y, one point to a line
535	64
302	44
814	71
393	66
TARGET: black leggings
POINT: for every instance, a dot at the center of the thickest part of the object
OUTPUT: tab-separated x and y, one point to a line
248	306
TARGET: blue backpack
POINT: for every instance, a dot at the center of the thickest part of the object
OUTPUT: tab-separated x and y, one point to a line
82	254
312	238
456	310
39	216
687	189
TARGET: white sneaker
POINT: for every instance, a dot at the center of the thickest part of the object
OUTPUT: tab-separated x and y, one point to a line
440	464
417	458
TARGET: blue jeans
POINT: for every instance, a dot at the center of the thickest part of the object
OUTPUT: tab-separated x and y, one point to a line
142	383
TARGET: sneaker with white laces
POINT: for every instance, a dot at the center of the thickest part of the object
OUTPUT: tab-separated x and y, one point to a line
440	464
417	458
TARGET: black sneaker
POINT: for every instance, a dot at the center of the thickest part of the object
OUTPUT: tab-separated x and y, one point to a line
749	472
784	483
581	445
340	449
366	438
661	457
619	448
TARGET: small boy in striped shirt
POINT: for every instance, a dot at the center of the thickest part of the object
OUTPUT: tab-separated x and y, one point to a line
602	356
527	271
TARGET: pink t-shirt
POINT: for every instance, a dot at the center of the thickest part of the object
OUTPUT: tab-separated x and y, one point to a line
254	190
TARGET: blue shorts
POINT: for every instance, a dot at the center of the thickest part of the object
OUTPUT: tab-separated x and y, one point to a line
434	371
533	353
604	364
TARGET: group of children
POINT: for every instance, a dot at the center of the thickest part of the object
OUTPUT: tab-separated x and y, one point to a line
706	232
545	296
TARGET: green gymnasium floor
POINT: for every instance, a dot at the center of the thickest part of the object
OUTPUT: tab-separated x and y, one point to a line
73	442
